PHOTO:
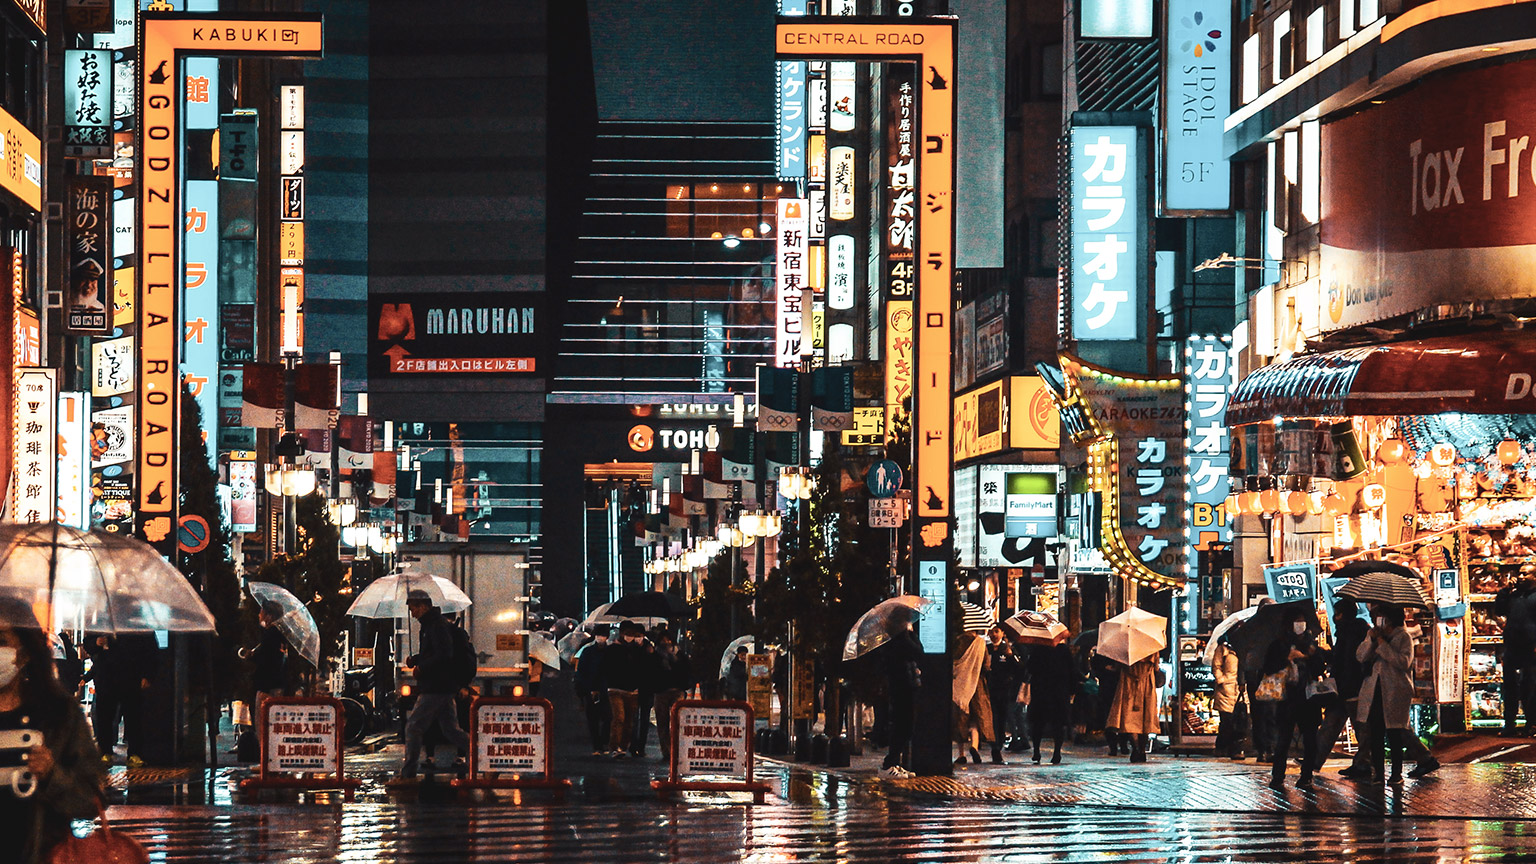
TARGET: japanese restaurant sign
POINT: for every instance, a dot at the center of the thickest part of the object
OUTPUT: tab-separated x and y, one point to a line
88	221
36	440
88	99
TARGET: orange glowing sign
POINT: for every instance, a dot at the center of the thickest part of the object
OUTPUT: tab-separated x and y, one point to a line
930	43
166	38
898	359
21	156
290	244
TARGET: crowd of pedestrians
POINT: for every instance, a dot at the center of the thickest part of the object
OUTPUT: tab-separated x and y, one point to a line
621	681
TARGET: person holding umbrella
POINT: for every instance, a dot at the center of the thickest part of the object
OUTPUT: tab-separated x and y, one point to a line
270	654
1349	631
1051	675
1224	667
1297	656
1133	712
904	677
1003	677
436	680
1387	692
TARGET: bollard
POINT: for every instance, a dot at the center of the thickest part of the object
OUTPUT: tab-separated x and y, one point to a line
837	752
819	743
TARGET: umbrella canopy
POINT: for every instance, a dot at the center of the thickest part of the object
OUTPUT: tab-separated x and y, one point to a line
974	619
1383	582
1133	636
1223	628
541	647
600	616
1269	622
649	604
95	581
1035	628
296	623
571	643
875	627
385	598
730	652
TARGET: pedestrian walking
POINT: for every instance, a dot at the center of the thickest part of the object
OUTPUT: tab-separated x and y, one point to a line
66	766
441	669
674	678
1051	677
624	665
972	704
1300	661
67	663
270	675
1387	691
1516	604
1004	673
122	668
592	689
1349	631
1229	732
736	676
645	697
1133	711
1104	678
903	679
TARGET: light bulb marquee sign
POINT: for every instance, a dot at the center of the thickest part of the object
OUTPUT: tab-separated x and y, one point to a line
164	40
929	44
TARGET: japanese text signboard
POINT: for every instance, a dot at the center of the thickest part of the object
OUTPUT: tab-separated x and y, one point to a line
88	101
1290	582
88	219
459	332
1197	97
302	738
165	39
33	493
511	738
1108	246
1208	380
790	276
712	742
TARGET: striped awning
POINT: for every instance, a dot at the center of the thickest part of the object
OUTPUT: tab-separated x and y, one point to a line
1482	373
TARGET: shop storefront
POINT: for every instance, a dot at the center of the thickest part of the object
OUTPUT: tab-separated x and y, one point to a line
1422	453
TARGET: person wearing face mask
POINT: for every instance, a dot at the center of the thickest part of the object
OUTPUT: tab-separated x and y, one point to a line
625	665
1297	654
66	768
1387	691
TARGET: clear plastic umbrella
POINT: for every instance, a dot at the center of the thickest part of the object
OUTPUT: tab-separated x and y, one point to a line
1222	629
385	598
541	647
295	623
64	577
571	643
730	652
875	627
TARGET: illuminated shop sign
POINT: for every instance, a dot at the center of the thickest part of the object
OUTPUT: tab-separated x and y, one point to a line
1108	246
461	332
1209	374
1197	97
790	278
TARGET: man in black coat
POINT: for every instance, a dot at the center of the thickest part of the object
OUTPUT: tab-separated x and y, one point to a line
903	679
1004	675
1349	630
625	664
437	682
1516	604
270	654
592	689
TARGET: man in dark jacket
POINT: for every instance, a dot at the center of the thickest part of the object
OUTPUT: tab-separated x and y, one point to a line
1516	604
903	679
1349	630
436	683
674	678
592	689
625	665
1004	674
270	654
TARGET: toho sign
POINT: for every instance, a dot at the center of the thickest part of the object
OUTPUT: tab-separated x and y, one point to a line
1290	582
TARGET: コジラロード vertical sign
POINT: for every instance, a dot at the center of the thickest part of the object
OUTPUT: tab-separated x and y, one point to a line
164	38
1108	246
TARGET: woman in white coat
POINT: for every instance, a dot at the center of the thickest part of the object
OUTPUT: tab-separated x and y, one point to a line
1387	654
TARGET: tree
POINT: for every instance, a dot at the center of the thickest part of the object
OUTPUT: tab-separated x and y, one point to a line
724	612
313	571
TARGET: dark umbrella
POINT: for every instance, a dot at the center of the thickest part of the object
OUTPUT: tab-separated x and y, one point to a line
1252	638
1382	582
649	604
1086	639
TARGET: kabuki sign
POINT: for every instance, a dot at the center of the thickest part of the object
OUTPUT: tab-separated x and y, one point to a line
165	39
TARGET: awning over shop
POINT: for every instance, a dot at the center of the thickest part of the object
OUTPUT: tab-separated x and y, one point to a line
1482	373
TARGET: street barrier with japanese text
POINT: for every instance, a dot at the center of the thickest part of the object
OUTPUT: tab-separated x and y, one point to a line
301	745
509	740
711	749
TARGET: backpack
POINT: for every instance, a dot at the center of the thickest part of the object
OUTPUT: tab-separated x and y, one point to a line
466	661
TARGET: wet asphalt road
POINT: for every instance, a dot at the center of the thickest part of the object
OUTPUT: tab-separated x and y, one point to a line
635	831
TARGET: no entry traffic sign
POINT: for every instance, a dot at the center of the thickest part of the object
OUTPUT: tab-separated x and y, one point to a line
711	749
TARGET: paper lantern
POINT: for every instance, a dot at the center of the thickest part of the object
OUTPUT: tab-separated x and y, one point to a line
1391	451
1443	454
1509	451
1269	501
1296	503
1251	503
1315	503
1234	504
1334	503
1373	495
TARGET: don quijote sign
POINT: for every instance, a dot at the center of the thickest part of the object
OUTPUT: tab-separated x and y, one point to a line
711	749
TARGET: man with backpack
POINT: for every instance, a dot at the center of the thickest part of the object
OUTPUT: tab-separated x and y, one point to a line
445	664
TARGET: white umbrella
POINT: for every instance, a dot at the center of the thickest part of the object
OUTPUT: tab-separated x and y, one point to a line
1133	635
95	581
600	616
571	643
541	647
974	619
874	628
730	652
1221	629
385	598
295	623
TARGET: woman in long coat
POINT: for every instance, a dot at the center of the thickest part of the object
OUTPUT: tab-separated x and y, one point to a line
972	702
1387	691
1051	676
1134	709
1225	669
